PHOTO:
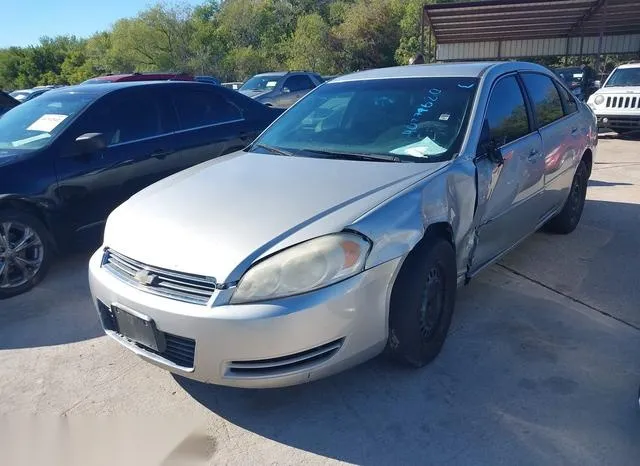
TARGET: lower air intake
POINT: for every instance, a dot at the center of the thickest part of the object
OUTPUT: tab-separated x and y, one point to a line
285	364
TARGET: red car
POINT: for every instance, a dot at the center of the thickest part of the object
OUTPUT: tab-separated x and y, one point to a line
120	78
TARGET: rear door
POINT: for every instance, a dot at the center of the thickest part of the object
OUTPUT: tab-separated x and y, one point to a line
209	125
563	135
509	195
91	186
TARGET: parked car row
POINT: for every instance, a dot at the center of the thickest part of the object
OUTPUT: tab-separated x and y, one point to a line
345	228
69	157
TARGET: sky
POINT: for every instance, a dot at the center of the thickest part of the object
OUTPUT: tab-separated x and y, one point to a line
23	22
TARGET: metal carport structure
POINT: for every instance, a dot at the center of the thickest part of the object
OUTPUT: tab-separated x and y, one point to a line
504	29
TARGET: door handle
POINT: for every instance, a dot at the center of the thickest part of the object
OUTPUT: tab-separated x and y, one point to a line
160	153
574	130
533	155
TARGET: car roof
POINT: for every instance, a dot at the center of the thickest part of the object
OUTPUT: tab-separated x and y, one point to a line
272	73
630	65
434	70
106	88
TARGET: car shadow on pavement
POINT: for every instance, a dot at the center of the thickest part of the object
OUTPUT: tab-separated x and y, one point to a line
57	311
512	386
528	375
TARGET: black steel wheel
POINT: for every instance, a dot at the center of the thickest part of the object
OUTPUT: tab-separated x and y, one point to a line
422	302
567	220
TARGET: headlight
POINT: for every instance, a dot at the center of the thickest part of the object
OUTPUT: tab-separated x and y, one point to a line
305	267
598	100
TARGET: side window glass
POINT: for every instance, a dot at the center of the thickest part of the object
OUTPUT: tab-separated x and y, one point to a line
570	105
202	108
506	112
123	119
299	82
544	95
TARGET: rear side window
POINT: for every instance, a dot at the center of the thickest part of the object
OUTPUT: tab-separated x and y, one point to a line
506	112
569	102
544	95
198	108
299	82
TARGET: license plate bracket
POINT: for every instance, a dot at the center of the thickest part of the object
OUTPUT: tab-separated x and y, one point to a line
138	328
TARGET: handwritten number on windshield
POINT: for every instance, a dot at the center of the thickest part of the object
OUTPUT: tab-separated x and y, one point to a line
433	95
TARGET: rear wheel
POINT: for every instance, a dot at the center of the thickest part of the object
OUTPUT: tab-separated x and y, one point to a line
422	302
25	252
567	220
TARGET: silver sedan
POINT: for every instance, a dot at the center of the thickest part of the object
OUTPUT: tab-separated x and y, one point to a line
347	226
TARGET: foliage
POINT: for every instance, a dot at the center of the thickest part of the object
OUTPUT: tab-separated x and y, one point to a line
231	39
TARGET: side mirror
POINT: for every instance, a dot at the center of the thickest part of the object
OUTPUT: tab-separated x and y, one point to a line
286	90
488	146
87	144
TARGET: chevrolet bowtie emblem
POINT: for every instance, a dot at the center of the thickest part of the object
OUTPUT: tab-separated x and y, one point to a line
145	278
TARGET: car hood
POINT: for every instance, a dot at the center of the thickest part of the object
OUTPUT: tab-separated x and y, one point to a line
254	93
217	218
9	156
619	90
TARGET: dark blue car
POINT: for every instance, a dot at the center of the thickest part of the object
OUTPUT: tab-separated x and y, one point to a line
69	157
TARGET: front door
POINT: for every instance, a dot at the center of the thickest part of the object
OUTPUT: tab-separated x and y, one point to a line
91	186
298	86
509	195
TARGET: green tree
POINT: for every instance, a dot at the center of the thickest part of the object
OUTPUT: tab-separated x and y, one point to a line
312	45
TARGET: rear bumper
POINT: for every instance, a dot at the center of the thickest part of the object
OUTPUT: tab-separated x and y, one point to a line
284	342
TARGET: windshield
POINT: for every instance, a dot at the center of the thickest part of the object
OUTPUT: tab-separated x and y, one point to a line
624	77
261	83
570	75
413	119
35	123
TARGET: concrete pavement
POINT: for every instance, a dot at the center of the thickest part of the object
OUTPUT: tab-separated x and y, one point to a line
542	367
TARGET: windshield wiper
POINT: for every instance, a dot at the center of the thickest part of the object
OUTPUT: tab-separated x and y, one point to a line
355	156
273	150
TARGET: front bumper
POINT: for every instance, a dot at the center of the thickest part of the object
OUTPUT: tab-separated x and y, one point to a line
283	342
618	121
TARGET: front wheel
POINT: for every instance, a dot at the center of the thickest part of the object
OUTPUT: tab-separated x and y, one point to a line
422	302
567	220
25	252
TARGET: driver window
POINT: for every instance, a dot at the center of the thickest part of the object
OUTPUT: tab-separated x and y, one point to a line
506	112
299	83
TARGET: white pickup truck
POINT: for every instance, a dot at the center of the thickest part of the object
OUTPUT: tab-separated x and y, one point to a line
617	103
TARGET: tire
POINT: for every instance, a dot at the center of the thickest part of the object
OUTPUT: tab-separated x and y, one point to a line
568	218
422	303
21	270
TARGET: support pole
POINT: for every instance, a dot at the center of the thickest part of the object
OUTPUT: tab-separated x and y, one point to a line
431	53
566	54
499	49
422	31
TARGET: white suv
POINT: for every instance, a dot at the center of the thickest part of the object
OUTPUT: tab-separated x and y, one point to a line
617	103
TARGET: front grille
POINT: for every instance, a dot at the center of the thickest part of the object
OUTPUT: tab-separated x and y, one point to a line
190	288
178	350
623	102
284	364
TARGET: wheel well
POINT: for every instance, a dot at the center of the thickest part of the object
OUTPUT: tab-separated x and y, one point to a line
588	159
439	230
22	206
